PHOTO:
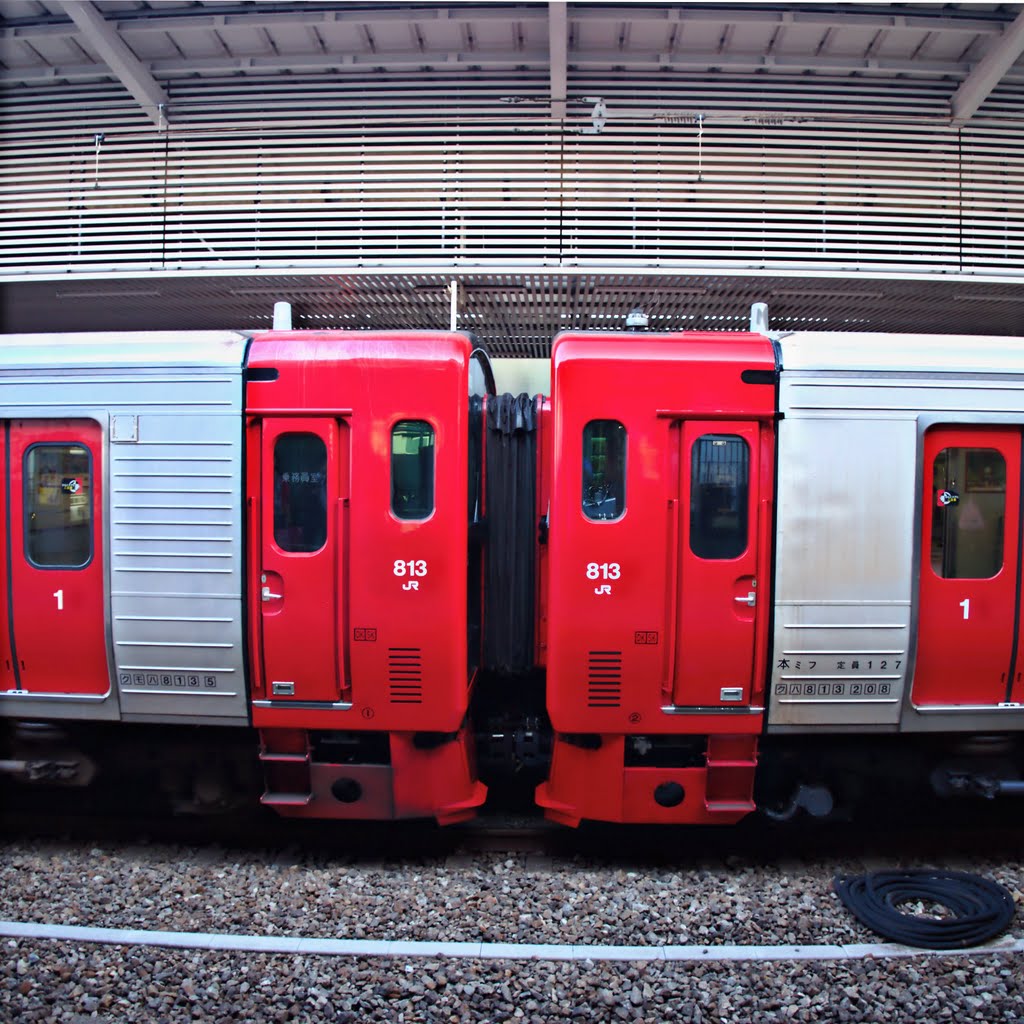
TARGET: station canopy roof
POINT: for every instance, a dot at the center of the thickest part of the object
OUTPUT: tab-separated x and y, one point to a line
597	157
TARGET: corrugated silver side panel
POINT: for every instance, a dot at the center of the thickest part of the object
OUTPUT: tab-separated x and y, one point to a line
848	511
171	411
176	550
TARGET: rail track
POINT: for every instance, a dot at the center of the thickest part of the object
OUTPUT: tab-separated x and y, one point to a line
962	831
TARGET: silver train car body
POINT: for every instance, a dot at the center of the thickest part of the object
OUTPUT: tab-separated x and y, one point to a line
853	487
167	408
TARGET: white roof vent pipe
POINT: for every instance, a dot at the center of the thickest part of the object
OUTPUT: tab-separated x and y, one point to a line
759	318
282	316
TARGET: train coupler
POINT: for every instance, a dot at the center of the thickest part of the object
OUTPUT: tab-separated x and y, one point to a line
975	784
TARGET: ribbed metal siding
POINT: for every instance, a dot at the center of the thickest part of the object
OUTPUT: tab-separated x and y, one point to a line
175	546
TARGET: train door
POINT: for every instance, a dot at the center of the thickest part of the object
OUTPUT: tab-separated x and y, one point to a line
8	680
299	555
718	556
969	580
54	556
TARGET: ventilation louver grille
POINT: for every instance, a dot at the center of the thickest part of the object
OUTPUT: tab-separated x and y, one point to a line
405	675
604	679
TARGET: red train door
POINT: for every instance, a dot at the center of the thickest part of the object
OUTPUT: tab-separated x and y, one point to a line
55	556
718	589
299	559
966	651
8	680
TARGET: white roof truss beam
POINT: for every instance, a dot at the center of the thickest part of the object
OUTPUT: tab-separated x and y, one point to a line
114	52
824	18
532	56
160	20
988	73
558	56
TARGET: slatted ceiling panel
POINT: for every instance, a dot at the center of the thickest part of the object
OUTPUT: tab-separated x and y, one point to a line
359	90
517	314
773	196
72	209
298	101
54	113
381	99
992	198
789	92
830	195
1005	100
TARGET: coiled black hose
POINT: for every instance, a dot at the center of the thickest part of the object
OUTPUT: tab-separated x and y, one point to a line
980	909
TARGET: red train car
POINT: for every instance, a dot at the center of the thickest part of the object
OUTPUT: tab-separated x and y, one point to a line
660	551
358	490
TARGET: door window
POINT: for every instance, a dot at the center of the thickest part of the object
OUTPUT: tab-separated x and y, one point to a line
412	469
719	496
969	492
58	506
300	492
604	470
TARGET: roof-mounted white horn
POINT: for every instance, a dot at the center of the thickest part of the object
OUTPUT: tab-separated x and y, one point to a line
759	318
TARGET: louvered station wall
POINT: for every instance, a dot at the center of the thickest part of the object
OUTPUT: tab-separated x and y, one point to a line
847	176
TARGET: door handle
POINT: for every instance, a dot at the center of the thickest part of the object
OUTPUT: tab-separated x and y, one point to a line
268	596
750	600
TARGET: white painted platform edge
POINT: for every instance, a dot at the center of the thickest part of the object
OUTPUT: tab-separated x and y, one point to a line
477	950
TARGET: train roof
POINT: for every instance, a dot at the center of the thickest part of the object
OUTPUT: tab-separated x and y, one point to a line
310	346
865	352
745	347
121	349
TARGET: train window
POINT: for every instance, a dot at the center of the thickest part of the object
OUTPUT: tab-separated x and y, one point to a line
412	469
969	492
719	495
604	469
58	506
300	492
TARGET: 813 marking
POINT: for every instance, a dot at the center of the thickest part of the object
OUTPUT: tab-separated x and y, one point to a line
412	567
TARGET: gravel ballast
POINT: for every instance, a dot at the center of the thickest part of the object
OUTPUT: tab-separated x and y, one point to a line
492	897
70	983
519	898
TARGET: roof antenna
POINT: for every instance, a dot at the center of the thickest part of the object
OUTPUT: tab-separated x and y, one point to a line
759	318
282	316
636	319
